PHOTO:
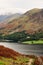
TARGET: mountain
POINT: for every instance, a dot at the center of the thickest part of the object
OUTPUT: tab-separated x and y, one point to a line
7	16
30	22
2	17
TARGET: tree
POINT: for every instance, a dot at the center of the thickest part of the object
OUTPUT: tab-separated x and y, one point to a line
17	36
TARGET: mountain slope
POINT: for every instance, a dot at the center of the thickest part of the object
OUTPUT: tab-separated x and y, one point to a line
30	22
3	17
7	16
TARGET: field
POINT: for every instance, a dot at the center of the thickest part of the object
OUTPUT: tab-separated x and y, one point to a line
33	42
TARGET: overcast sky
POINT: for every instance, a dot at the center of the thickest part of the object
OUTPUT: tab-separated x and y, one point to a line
15	6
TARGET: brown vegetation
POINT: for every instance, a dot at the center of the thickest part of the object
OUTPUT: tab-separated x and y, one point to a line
31	22
6	52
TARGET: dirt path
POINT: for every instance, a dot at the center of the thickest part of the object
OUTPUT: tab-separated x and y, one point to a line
30	61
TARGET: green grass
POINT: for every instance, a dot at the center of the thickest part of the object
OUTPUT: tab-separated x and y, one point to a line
6	61
33	42
18	61
21	59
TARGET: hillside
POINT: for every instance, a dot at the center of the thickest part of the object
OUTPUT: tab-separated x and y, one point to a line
30	22
8	16
11	57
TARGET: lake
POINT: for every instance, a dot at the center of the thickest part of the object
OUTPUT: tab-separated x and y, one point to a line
25	49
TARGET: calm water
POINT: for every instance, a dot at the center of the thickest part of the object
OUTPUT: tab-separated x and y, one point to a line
25	49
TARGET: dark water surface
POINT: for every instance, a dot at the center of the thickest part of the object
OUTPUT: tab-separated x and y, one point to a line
25	49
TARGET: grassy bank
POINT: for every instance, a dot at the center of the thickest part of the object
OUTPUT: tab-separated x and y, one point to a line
33	42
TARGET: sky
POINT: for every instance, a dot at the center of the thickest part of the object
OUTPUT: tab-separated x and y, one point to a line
19	6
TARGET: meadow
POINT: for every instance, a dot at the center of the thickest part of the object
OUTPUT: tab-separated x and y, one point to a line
33	42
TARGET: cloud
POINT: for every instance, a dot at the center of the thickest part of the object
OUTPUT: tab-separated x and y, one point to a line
19	5
12	10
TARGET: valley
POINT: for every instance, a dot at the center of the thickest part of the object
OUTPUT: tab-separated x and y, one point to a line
23	27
